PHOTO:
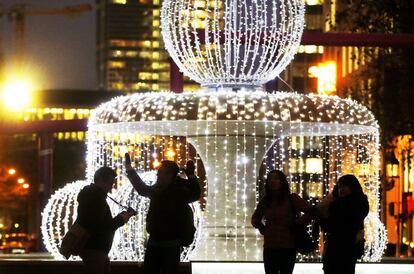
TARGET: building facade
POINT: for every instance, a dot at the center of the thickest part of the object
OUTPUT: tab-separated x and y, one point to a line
130	52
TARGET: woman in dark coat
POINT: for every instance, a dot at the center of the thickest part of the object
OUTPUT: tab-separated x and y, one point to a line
277	210
343	226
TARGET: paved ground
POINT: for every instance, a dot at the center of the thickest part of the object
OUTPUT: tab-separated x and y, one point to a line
300	268
388	266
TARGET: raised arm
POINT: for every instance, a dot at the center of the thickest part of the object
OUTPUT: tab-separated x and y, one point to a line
136	181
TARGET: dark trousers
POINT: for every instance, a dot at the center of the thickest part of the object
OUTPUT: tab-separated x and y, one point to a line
279	260
162	257
339	259
95	261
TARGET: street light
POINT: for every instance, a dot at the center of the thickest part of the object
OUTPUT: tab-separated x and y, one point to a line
11	171
170	154
20	181
17	94
392	166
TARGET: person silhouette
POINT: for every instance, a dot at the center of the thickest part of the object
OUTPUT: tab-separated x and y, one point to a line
277	209
167	214
343	225
95	216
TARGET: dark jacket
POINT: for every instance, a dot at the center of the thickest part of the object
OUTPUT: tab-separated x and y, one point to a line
167	209
345	218
95	216
279	216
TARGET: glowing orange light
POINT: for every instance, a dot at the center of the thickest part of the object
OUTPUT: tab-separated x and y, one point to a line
20	180
156	163
326	74
170	154
26	186
12	171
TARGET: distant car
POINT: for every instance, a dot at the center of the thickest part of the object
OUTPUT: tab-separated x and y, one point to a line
16	243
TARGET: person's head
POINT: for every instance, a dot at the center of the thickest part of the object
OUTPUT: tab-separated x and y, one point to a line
347	185
167	172
276	185
105	178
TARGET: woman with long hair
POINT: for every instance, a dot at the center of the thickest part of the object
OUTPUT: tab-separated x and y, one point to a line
274	217
344	226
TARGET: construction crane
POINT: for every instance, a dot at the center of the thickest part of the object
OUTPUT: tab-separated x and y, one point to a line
18	13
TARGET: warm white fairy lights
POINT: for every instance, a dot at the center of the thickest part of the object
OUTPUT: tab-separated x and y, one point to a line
58	215
232	42
233	132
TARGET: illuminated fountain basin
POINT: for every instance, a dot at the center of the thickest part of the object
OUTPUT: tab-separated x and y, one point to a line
238	136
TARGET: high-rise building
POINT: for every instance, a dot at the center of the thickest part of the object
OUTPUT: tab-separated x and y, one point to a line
130	52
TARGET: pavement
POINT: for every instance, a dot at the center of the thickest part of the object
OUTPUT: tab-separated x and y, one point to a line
389	265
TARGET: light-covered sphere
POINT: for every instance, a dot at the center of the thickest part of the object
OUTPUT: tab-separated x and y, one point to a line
58	215
232	42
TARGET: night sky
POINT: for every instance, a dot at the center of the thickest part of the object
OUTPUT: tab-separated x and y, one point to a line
59	49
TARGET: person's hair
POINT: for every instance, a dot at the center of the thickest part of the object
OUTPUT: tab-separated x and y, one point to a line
352	182
104	173
170	166
285	186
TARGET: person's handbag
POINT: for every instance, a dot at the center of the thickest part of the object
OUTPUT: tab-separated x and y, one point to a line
303	241
74	241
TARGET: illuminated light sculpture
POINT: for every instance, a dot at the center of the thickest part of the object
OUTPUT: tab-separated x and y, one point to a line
234	129
236	134
243	43
58	215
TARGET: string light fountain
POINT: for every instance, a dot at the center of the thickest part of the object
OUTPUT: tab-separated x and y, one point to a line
234	130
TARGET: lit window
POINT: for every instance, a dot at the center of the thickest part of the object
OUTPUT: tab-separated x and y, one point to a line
116	64
314	165
131	53
314	2
123	2
309	49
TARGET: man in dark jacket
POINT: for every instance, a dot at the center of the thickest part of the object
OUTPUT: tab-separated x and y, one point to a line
166	215
95	216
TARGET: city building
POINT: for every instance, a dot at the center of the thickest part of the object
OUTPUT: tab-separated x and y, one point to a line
130	52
